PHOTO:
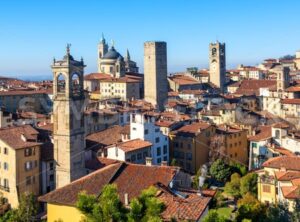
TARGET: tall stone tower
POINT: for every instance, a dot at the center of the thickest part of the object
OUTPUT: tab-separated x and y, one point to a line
155	73
102	49
217	64
283	79
68	119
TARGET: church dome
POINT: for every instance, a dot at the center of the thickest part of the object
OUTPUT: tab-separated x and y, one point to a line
112	54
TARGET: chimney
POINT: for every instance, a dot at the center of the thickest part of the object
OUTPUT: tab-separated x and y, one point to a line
164	163
126	201
23	138
148	161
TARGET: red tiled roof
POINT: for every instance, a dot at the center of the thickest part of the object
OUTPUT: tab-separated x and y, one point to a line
183	80
287	176
252	86
291	192
108	136
184	209
13	136
291	101
97	76
287	162
194	128
129	178
133	145
164	123
264	134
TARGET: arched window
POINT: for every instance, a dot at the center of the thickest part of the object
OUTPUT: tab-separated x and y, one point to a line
61	84
75	84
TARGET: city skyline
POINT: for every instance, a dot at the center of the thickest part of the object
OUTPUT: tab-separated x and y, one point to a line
31	35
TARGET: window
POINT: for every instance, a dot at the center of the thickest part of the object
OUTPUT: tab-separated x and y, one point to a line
158	151
28	165
51	178
157	139
146	131
133	158
5	183
277	134
28	180
266	188
158	160
254	145
189	146
139	156
176	144
145	154
5	166
5	150
51	166
133	128
165	158
156	130
189	156
165	151
188	166
28	152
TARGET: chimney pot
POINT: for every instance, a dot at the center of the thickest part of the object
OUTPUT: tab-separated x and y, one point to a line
148	161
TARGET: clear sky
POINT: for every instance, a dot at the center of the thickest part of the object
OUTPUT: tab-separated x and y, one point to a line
32	32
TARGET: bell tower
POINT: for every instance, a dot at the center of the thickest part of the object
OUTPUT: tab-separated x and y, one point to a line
68	119
217	64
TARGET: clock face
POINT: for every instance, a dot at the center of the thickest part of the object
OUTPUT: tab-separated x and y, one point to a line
214	51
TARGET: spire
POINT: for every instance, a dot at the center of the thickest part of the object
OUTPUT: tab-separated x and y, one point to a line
102	38
127	55
68	48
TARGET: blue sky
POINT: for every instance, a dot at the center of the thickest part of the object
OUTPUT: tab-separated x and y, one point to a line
32	32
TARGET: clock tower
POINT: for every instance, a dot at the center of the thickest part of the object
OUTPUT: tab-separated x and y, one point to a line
217	64
68	119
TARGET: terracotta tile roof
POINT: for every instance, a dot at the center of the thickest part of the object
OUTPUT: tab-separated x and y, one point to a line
125	79
287	162
281	125
193	128
132	145
183	80
190	208
107	137
291	192
47	127
19	137
291	101
293	88
287	176
173	93
264	134
174	116
191	91
129	178
164	123
96	76
23	92
252	86
99	162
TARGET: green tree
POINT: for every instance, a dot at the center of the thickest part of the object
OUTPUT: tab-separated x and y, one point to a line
220	170
106	208
213	216
238	168
147	207
25	212
250	208
232	188
173	162
278	213
296	213
249	184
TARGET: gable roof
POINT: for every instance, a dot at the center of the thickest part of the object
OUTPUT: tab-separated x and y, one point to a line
19	137
132	145
129	178
287	162
252	86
